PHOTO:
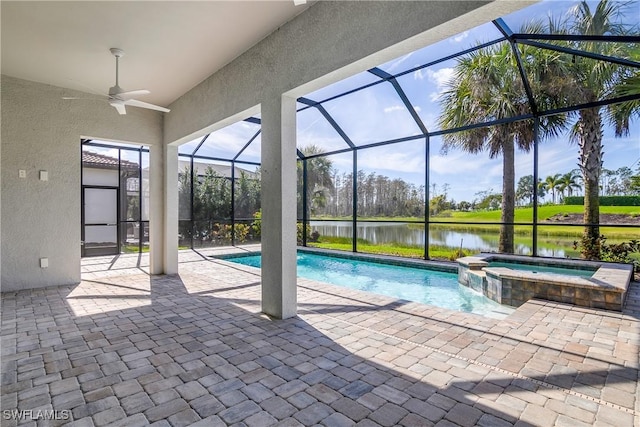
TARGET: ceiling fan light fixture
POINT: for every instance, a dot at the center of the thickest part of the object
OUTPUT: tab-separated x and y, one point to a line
117	52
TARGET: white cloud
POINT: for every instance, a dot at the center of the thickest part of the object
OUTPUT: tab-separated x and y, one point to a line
371	116
252	152
401	108
461	37
343	163
456	163
313	129
390	160
465	173
556	159
620	152
228	141
326	142
394	108
440	77
225	143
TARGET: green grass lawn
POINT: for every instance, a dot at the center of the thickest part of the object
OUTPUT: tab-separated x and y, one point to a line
521	214
524	215
395	249
544	212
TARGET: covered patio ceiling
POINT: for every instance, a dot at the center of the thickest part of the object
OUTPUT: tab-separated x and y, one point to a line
169	47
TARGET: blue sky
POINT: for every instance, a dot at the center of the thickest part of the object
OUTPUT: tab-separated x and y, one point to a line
377	114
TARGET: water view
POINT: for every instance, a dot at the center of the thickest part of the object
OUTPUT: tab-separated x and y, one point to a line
414	234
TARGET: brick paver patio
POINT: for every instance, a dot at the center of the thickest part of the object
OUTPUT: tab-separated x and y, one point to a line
125	348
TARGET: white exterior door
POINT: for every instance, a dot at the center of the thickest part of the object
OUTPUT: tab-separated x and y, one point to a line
100	221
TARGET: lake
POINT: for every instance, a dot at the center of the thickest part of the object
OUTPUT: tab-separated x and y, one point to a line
379	233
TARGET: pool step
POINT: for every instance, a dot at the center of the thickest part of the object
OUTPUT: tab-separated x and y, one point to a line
477	280
480	282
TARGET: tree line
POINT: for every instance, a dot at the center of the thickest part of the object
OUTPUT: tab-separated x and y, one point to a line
620	182
330	193
378	196
207	217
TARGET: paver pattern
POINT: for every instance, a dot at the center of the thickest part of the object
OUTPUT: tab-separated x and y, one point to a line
124	348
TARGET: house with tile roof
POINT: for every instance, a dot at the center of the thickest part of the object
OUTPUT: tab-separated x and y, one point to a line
111	203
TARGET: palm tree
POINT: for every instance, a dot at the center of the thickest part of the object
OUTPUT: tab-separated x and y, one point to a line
569	182
542	190
630	85
589	80
319	178
486	86
552	183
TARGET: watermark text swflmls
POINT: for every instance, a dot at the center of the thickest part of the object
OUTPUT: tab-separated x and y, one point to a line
36	414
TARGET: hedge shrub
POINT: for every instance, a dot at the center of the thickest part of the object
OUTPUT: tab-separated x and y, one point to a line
606	200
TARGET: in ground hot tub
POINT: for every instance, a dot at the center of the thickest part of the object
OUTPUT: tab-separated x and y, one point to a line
514	279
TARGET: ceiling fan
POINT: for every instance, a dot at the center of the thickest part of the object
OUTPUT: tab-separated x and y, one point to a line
119	98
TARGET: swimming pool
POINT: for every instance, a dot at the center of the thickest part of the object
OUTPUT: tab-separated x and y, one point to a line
536	268
413	284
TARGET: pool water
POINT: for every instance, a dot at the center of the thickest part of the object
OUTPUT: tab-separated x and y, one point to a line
413	284
544	269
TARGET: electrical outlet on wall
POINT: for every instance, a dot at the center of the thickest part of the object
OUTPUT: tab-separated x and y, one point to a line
44	262
22	173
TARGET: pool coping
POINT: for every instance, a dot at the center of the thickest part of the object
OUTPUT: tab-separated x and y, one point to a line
606	288
442	266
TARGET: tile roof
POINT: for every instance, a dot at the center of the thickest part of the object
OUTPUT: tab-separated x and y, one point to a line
91	159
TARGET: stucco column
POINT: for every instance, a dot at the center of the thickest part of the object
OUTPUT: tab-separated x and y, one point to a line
278	190
156	211
170	237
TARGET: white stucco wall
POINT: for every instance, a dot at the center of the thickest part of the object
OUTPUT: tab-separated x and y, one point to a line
40	131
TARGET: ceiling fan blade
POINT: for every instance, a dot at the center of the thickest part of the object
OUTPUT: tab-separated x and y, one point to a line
119	98
122	110
91	98
136	103
133	93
